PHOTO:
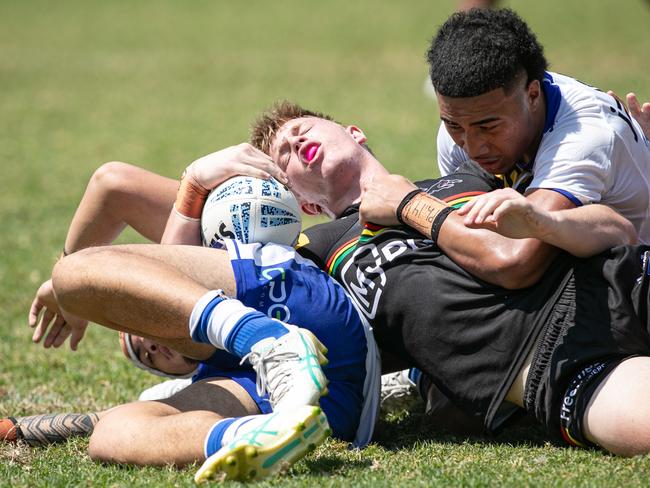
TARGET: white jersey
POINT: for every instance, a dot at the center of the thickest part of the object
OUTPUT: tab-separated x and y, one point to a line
591	151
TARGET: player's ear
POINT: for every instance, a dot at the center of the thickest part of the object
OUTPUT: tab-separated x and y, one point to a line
534	95
356	133
311	208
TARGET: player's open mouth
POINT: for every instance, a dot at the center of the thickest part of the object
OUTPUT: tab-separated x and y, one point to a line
309	153
488	161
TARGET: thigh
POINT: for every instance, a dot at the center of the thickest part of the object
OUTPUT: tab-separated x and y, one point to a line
144	289
206	266
617	416
223	396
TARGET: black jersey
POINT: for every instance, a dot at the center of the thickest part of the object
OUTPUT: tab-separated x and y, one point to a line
469	336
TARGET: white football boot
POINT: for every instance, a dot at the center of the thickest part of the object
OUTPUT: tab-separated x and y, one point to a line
289	369
267	446
399	390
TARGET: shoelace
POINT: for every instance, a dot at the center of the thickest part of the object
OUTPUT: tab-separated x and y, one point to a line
395	387
266	361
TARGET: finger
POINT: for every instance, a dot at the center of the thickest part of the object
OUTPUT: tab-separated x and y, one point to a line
277	173
478	203
48	315
55	330
488	208
633	104
34	312
507	208
77	335
362	214
64	333
46	320
41	329
466	208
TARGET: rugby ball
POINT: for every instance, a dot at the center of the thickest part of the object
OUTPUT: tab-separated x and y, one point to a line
250	210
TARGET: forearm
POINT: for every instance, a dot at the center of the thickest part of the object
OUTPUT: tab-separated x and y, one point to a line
489	256
511	263
585	231
184	222
182	230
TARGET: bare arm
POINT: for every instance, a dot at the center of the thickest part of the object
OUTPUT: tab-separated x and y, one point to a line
511	263
582	231
206	173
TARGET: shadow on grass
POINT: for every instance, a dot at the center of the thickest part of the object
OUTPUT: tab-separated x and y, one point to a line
405	429
332	464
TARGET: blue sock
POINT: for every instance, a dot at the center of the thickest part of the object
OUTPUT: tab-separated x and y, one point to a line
229	324
228	430
213	440
250	329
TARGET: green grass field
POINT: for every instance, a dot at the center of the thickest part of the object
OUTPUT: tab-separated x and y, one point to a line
159	83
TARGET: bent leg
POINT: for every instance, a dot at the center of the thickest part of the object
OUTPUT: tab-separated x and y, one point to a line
168	431
617	417
147	290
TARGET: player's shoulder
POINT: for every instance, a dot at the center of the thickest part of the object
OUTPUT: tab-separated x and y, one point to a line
577	112
573	102
468	181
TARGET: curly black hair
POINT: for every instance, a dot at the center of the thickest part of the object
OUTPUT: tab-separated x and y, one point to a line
481	50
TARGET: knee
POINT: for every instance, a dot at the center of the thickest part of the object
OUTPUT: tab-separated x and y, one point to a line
69	276
631	437
101	446
110	178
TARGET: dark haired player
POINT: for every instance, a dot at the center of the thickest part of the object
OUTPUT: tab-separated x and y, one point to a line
560	142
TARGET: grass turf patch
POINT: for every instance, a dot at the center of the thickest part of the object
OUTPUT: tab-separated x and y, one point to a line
161	83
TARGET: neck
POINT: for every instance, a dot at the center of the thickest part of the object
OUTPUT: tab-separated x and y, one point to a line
367	171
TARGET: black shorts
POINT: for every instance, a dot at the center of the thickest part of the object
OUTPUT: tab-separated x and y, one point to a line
599	320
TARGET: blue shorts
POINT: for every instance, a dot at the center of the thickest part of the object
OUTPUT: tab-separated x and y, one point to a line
277	281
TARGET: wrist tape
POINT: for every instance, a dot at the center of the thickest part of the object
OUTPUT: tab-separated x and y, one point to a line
190	197
423	212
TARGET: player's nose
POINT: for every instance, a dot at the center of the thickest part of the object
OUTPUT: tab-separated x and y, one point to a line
296	142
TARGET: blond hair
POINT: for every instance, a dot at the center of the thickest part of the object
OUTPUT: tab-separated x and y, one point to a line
266	126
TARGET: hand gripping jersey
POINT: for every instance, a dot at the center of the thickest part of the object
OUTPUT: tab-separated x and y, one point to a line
591	151
472	337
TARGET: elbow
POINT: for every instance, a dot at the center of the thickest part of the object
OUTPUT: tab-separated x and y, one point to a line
629	234
515	271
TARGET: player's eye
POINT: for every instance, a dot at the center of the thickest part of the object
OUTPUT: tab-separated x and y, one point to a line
147	357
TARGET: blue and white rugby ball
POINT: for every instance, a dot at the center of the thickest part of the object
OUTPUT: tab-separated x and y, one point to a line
251	210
